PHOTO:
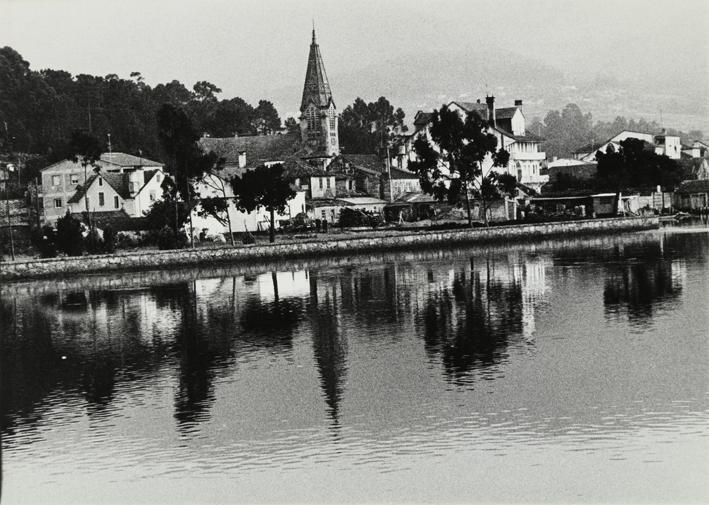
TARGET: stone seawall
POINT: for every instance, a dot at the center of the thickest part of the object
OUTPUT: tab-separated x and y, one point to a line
133	261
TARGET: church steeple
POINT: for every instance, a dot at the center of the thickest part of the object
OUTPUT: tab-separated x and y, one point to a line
318	119
317	87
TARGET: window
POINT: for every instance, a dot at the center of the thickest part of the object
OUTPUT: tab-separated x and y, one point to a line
324	214
312	118
115	202
328	183
57	203
320	182
131	187
100	181
101	199
56	181
157	177
331	114
152	196
74	179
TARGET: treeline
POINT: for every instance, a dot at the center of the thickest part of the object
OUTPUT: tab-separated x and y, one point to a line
39	110
569	129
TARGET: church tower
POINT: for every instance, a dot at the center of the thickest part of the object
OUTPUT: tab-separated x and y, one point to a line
318	114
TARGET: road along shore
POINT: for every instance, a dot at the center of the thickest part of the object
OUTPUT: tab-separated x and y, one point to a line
387	241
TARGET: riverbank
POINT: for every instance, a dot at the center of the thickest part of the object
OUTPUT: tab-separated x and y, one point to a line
388	240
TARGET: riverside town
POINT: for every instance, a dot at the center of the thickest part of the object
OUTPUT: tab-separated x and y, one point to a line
489	285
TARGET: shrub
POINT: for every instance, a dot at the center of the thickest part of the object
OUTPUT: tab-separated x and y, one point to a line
45	241
166	239
69	237
109	240
94	242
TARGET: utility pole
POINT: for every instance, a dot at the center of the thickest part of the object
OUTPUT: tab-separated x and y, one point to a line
9	168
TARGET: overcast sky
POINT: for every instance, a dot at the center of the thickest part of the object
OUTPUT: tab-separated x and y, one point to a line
246	47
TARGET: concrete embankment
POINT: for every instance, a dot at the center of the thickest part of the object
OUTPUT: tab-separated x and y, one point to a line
146	260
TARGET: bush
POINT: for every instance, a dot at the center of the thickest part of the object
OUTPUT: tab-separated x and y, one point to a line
109	240
94	242
69	237
166	239
45	241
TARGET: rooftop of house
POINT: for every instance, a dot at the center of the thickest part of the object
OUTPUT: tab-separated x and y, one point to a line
361	200
128	160
698	186
397	173
258	149
414	197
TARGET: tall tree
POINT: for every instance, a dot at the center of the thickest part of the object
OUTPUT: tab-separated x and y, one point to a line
263	187
266	120
367	127
86	149
187	163
461	160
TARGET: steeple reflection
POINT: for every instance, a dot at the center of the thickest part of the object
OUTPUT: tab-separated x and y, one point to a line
329	344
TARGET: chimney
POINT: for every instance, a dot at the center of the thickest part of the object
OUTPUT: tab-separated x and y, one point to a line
492	120
518	103
242	159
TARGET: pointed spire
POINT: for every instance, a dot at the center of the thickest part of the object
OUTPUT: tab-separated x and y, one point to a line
317	87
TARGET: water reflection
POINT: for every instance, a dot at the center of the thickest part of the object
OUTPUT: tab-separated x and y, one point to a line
375	347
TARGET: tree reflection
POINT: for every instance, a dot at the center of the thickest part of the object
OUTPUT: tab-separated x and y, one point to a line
640	288
469	323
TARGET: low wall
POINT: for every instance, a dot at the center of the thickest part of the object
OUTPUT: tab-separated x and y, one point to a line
259	253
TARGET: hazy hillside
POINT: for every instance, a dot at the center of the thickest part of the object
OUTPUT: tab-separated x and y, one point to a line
424	81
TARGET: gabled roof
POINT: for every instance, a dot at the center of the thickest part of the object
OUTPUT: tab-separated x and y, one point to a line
414	197
316	89
698	186
369	162
119	183
128	160
259	149
422	118
505	112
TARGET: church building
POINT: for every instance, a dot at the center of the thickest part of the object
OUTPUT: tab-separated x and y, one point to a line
318	114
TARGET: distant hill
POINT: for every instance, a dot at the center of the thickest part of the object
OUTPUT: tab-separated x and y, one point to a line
424	81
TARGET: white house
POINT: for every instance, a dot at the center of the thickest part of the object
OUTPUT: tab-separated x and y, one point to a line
133	192
668	145
134	180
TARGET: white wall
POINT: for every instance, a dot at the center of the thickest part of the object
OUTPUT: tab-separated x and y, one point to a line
99	185
148	195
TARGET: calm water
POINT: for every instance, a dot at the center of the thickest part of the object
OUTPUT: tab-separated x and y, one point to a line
567	371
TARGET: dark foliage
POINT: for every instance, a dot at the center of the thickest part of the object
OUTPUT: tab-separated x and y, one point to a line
69	236
167	239
42	108
367	127
453	170
264	187
45	241
636	166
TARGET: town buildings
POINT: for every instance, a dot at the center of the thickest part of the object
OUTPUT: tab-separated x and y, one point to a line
668	145
508	124
119	183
